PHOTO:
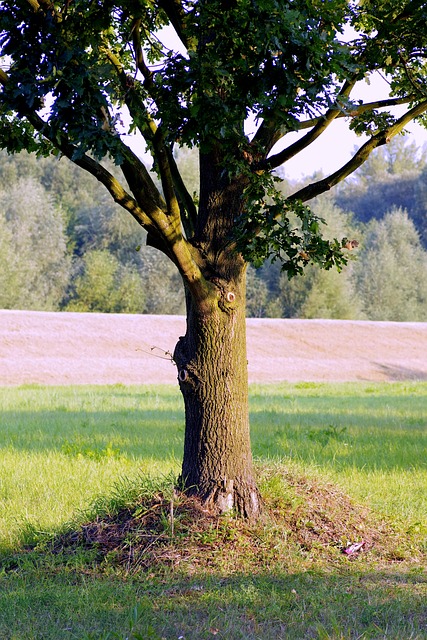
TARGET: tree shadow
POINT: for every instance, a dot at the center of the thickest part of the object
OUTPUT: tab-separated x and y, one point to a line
336	603
155	434
344	438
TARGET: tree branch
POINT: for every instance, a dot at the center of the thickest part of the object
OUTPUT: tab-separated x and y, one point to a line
319	126
163	228
45	6
189	216
4	78
269	134
380	138
147	127
140	182
172	182
139	57
361	108
118	193
418	88
175	12
34	5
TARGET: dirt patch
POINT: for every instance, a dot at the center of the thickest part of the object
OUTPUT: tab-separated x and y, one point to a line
83	348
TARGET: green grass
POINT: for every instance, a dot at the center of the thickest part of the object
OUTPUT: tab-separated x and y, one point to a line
371	439
64	448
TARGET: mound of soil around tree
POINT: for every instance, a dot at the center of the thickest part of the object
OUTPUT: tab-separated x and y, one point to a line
312	518
92	348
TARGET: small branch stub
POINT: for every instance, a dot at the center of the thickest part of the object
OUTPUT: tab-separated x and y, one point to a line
183	375
230	296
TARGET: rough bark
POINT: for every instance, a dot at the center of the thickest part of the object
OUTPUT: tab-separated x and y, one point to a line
212	373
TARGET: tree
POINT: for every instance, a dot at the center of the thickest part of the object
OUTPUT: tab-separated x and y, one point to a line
106	286
256	294
391	273
35	265
392	177
72	71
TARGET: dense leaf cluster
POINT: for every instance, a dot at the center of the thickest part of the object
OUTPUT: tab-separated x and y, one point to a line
273	228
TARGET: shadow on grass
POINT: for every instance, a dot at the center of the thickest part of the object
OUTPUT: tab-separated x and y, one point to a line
192	575
85	433
346	602
354	439
361	428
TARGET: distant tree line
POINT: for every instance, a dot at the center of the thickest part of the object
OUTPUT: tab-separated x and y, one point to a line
65	246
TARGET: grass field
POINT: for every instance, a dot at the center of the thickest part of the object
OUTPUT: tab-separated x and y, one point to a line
67	451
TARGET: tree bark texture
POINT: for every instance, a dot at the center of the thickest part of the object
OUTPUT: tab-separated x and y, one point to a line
212	373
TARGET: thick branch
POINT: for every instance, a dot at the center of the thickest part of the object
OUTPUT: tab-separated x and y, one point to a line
118	193
4	78
321	125
286	154
361	108
165	229
269	133
189	216
380	138
141	183
172	182
175	12
145	123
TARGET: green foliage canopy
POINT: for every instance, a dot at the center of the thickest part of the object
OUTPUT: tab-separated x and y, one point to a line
70	71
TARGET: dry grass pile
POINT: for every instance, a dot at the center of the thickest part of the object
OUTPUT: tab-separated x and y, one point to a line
303	518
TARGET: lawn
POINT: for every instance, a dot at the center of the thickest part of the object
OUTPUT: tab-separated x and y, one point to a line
69	453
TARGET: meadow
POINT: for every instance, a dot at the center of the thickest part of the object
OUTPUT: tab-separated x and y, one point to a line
68	452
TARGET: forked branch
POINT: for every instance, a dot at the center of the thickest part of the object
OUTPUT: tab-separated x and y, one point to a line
176	194
319	127
381	137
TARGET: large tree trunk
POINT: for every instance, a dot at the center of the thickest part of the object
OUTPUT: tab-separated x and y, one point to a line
212	373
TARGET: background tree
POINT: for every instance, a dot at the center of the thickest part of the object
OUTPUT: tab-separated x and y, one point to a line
392	177
90	221
391	273
106	286
256	295
70	70
35	265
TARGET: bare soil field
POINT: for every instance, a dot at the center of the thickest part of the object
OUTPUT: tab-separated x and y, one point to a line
82	348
